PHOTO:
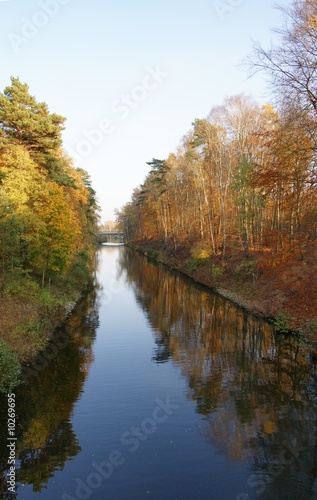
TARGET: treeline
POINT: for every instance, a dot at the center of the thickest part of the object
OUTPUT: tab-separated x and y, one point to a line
245	177
48	209
48	221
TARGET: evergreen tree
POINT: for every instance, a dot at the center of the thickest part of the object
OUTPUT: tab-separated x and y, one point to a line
24	121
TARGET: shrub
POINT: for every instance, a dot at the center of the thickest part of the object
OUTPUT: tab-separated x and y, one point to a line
216	272
201	251
46	300
21	286
154	254
32	332
192	264
247	269
10	368
282	322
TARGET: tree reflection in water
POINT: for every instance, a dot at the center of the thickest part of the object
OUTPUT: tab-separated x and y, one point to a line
256	392
45	436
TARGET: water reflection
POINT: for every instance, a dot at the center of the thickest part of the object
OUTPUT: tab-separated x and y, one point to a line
250	414
256	393
44	406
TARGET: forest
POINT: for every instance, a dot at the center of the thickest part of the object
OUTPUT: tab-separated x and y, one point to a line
235	206
48	220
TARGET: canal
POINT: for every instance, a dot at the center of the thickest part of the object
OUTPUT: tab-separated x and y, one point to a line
157	389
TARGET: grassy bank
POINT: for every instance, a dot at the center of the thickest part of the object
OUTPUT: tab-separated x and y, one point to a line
30	313
282	291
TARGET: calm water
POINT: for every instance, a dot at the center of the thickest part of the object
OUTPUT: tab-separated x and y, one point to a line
158	389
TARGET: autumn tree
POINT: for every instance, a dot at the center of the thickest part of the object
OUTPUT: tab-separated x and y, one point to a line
239	116
49	210
244	178
11	230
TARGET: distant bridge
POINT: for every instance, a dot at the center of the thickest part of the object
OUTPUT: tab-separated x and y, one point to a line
111	236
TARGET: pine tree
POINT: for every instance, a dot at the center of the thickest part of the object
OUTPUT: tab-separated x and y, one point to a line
24	121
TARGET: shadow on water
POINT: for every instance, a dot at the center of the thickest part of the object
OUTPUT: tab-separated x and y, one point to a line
45	402
256	392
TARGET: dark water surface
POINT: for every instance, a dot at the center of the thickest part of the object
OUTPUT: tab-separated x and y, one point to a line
158	389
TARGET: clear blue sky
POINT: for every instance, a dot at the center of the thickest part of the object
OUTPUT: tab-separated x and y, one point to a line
131	76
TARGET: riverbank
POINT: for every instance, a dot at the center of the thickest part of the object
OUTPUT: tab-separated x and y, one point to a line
30	314
27	323
279	290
